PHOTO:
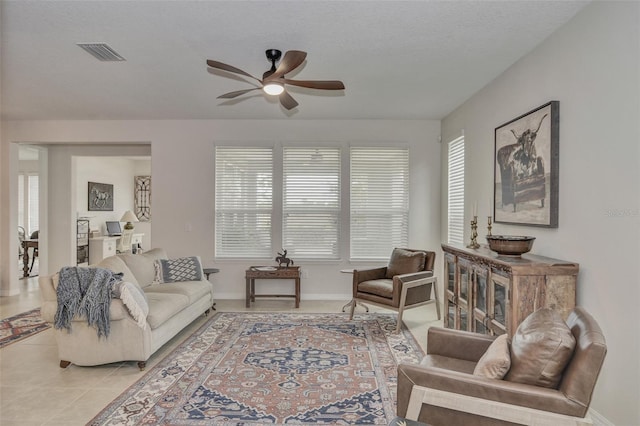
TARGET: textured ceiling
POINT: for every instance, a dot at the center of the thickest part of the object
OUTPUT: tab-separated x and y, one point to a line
398	60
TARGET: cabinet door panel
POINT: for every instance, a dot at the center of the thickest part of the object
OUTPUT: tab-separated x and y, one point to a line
465	271
499	303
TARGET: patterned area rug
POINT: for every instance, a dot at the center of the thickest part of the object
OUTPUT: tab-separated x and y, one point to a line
273	369
21	326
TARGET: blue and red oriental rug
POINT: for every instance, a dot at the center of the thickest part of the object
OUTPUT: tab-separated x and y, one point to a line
21	326
273	369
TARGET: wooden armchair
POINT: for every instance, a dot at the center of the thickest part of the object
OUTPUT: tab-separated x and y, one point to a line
406	282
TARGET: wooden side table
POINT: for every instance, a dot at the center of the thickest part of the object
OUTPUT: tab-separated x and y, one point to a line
207	272
271	273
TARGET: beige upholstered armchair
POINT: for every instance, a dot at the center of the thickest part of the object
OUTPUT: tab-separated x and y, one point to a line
406	282
447	388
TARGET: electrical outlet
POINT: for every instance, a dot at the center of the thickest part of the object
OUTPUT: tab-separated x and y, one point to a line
304	273
188	227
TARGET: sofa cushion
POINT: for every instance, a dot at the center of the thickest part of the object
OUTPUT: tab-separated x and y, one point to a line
541	347
115	264
142	265
164	306
194	290
496	361
405	262
178	270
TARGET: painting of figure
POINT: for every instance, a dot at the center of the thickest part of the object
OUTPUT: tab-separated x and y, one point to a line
526	168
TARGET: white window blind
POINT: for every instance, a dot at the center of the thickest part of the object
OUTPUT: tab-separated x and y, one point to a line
243	197
311	202
456	191
379	201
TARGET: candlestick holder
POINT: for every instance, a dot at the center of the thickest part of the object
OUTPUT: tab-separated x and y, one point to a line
474	234
489	225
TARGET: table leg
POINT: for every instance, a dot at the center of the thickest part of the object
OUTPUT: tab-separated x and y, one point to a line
297	292
25	262
253	289
247	296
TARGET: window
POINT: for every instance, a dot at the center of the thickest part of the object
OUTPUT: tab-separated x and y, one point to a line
311	202
269	198
28	214
379	201
244	181
455	208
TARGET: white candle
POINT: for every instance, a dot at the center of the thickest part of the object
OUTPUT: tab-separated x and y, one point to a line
475	208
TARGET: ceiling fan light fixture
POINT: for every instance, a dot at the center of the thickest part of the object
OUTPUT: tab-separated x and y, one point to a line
273	88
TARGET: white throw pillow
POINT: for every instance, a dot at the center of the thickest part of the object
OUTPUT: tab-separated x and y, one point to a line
134	299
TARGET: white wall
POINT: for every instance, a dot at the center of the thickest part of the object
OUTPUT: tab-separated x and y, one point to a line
591	65
183	177
119	172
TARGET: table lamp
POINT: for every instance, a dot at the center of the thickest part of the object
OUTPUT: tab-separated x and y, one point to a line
129	217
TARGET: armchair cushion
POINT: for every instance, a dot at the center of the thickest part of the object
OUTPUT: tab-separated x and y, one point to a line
496	361
405	262
541	347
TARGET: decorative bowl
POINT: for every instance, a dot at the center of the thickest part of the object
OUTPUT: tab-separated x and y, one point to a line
510	245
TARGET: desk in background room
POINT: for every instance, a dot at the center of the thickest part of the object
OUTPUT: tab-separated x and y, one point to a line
101	247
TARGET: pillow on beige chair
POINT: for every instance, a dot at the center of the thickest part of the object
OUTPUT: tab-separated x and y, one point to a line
540	349
496	361
405	262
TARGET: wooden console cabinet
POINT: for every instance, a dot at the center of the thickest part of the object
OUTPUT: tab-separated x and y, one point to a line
492	294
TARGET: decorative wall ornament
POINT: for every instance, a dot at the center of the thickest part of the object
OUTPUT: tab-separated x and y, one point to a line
526	165
142	198
100	197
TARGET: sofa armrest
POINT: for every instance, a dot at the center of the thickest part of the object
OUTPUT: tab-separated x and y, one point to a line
482	388
457	343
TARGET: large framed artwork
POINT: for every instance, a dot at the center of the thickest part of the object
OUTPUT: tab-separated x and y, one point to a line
100	197
526	160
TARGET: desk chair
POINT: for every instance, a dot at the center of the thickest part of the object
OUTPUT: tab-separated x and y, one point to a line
124	242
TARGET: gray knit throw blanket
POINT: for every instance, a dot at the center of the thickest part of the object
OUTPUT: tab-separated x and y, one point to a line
85	292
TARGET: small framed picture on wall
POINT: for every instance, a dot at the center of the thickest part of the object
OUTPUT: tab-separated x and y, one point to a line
100	197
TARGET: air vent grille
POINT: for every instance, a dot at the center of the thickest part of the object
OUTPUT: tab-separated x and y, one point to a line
101	51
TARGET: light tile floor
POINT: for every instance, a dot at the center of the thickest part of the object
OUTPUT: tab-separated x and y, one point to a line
34	390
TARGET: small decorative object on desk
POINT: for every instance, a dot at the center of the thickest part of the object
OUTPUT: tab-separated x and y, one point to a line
282	258
474	234
489	226
510	245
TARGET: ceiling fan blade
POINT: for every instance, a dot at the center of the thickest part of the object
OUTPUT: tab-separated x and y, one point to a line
292	60
316	84
229	68
287	101
237	93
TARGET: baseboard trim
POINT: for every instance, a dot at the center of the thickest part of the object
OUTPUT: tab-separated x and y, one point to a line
599	419
335	296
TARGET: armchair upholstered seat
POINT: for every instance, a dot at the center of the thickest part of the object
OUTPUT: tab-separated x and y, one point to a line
406	282
443	389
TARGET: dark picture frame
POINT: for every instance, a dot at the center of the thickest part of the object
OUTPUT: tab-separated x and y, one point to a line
100	197
525	164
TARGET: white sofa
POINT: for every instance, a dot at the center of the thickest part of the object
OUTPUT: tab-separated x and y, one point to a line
172	307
